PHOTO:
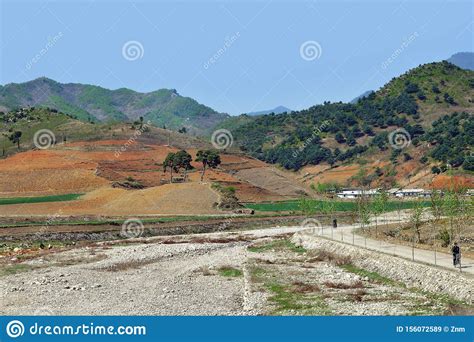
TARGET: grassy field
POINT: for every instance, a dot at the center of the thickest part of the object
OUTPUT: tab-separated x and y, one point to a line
344	206
39	199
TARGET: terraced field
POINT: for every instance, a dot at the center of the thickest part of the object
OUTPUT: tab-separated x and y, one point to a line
38	182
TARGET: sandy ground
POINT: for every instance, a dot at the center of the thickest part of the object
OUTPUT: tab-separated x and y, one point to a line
279	182
184	199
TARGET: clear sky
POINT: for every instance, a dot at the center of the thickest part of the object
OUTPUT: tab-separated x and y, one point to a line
234	56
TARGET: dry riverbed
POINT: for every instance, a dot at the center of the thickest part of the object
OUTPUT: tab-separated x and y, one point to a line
259	272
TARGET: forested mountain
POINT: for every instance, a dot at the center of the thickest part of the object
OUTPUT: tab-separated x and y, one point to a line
164	107
430	107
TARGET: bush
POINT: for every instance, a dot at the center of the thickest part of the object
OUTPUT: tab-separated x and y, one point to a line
468	164
436	170
444	237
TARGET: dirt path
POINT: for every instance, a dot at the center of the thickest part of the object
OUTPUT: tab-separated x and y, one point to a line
348	234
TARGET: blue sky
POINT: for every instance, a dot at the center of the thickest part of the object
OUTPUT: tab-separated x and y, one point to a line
235	56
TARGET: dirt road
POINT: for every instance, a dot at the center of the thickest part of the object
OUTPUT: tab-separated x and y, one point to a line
348	234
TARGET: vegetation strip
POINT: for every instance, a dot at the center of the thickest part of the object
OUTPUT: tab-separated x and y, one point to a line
40	199
339	205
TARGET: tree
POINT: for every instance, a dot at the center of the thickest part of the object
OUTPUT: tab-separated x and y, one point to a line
328	208
307	206
415	219
436	209
468	164
209	159
15	138
363	212
182	160
436	170
340	138
170	163
379	207
451	208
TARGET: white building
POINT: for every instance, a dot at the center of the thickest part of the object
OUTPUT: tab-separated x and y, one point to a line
412	193
355	193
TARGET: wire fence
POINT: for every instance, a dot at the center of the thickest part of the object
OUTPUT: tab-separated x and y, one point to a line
348	234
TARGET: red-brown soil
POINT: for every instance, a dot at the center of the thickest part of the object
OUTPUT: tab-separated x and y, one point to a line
92	168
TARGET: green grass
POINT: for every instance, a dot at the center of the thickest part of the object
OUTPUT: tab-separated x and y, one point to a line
277	245
429	304
14	269
342	206
435	304
39	199
284	297
286	300
373	276
227	271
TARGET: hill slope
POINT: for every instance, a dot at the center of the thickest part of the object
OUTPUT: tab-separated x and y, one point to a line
420	104
77	157
164	107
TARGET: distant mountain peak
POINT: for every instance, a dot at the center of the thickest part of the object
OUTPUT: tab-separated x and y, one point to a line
464	60
364	94
277	110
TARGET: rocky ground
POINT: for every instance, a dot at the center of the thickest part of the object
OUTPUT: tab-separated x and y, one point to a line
259	272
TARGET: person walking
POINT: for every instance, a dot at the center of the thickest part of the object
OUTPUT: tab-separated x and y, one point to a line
456	254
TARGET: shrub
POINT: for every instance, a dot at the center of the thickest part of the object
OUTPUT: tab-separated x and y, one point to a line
444	237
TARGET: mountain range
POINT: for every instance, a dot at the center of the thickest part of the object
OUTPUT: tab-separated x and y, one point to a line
431	107
164	107
276	110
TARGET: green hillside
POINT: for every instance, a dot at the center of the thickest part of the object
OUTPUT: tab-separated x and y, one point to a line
164	107
433	103
30	120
